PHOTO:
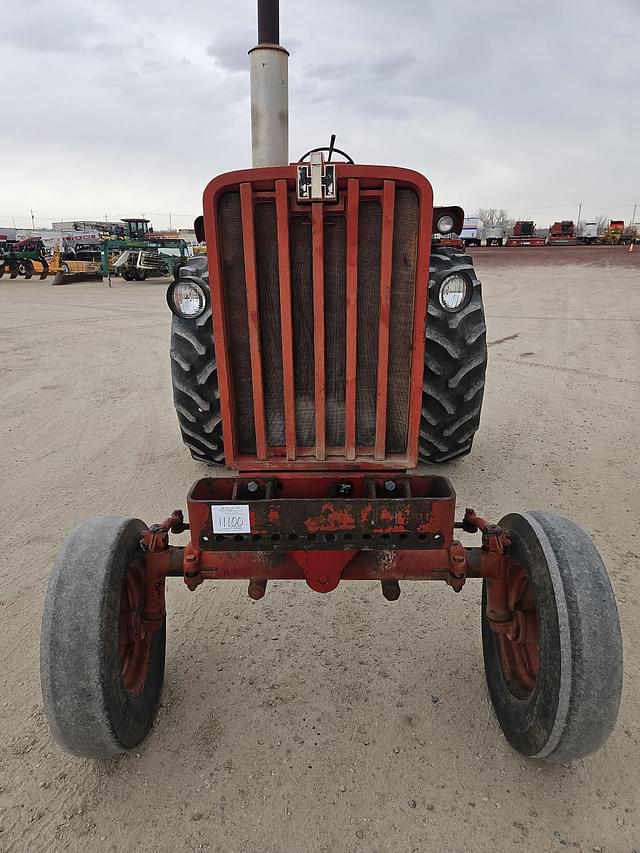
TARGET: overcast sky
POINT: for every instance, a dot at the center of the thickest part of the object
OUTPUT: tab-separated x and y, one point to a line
123	108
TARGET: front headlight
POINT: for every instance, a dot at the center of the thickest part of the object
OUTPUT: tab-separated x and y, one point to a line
445	224
186	298
454	293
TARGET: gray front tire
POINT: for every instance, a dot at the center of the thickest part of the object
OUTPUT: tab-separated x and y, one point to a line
572	705
99	698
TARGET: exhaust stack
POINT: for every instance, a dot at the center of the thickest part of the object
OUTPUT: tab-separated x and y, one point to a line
269	90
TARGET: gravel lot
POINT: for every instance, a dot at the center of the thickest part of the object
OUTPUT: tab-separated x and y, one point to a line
305	722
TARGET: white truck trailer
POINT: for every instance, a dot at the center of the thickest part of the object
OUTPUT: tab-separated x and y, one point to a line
473	231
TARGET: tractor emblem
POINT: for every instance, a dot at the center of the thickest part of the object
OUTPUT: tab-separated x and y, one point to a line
317	180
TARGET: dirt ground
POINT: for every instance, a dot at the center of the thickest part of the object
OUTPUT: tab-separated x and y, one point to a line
305	722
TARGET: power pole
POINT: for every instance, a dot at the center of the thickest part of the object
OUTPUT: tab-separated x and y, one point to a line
33	221
170	228
633	218
579	212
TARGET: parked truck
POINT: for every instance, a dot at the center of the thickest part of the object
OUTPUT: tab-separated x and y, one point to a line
588	233
473	231
496	235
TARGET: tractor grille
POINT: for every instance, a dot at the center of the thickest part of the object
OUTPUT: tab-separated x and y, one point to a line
319	307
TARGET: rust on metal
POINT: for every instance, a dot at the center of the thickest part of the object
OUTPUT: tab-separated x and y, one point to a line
257	588
323	530
318	511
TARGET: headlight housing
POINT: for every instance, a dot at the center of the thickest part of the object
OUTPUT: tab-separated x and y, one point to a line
455	292
444	224
186	298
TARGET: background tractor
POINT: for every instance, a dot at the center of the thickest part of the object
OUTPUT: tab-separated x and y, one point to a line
617	234
138	254
321	349
562	234
145	254
524	234
23	258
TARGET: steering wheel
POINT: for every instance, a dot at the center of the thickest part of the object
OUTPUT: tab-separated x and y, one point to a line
331	149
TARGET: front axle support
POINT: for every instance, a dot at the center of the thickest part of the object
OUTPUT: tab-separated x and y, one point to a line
104	625
323	530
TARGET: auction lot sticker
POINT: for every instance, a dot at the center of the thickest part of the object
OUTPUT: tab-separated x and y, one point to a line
229	518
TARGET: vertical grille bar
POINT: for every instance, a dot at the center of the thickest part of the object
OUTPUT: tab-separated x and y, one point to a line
386	264
419	313
353	209
248	230
286	321
317	237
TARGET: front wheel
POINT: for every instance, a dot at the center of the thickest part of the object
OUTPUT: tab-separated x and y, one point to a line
101	667
556	681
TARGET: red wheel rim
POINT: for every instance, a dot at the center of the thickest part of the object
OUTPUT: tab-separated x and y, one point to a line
134	641
519	649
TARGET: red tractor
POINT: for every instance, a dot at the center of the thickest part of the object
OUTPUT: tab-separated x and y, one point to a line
524	234
319	353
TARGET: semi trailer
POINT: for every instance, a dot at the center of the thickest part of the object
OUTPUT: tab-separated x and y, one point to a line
473	231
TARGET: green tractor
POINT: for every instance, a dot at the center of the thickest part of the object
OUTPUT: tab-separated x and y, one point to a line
23	258
145	253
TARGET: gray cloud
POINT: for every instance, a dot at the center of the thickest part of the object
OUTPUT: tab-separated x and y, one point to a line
229	48
500	104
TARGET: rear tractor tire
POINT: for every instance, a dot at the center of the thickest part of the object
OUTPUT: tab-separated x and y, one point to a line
555	682
101	671
194	375
455	362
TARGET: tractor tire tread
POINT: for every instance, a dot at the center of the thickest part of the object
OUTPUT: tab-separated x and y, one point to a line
454	367
194	376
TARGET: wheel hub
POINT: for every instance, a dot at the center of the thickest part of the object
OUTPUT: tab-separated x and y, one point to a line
518	645
134	641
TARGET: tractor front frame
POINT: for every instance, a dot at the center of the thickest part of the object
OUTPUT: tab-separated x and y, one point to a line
323	529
